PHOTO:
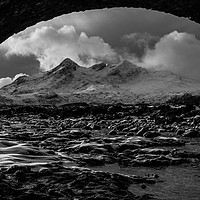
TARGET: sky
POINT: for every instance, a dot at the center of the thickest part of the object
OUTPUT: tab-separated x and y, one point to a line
148	38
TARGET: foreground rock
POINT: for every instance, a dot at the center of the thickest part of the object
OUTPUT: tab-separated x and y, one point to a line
57	182
42	154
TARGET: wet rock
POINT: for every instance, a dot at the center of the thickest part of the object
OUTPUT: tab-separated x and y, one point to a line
155	160
112	132
94	126
156	151
20	175
186	154
7	190
75	134
85	147
141	132
168	141
156	176
14	168
33	196
131	134
127	146
196	120
59	142
143	186
161	130
191	133
99	151
92	161
45	171
151	134
180	132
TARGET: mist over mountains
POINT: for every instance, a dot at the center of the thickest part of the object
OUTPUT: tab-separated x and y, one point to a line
70	82
108	35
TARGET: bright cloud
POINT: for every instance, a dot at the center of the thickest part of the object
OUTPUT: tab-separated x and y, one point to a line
176	52
51	46
8	80
5	81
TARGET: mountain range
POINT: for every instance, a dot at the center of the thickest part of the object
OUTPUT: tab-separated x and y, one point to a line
104	83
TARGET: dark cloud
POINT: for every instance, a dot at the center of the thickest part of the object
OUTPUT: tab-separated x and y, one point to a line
15	64
50	46
149	38
112	24
139	43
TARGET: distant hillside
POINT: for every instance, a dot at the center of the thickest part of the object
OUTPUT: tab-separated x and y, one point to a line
69	82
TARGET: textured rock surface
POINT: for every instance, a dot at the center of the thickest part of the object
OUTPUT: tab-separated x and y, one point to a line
87	151
16	15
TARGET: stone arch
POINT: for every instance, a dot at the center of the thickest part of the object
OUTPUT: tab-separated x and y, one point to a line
16	15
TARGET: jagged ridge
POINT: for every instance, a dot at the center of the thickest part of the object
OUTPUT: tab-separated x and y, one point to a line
101	81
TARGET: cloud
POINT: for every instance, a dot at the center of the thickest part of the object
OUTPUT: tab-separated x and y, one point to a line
140	42
5	81
176	52
8	80
12	65
50	46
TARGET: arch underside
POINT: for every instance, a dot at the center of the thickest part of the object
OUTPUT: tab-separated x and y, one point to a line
16	15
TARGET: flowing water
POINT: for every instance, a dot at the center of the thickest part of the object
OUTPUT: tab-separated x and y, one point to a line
15	153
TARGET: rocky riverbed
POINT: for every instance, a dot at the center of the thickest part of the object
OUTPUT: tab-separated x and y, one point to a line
82	151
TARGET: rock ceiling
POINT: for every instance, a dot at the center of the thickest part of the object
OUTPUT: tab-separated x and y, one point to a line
16	15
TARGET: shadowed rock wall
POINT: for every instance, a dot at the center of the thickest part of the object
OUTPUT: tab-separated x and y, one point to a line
16	15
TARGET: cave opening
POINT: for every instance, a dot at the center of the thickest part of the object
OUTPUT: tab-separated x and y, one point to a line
147	38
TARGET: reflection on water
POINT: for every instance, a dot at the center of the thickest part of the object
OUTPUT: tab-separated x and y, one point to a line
176	182
13	153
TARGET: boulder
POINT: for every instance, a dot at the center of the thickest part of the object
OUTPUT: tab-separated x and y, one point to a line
191	133
151	134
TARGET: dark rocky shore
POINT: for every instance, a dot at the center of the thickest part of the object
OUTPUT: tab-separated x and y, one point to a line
70	151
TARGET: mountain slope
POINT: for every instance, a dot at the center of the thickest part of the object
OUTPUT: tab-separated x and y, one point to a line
70	82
